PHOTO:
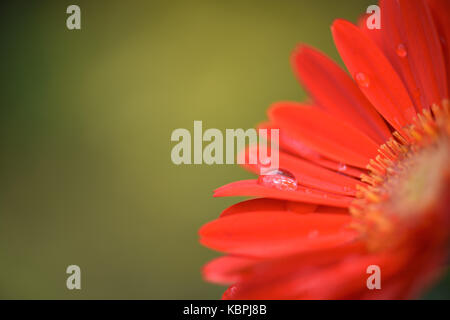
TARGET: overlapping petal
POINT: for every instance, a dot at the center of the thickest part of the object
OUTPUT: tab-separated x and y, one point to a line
376	77
333	89
276	233
251	188
318	130
411	42
303	244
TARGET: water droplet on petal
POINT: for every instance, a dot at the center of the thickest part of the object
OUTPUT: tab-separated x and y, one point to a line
342	167
401	50
279	179
362	79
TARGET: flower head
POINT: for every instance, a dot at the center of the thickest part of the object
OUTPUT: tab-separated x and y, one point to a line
364	171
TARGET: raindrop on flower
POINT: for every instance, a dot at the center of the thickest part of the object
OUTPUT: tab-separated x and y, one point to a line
278	179
346	189
342	167
362	79
401	50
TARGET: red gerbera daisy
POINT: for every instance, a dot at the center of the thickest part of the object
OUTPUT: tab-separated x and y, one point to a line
364	171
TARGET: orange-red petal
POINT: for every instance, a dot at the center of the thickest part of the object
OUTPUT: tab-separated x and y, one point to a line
411	42
320	131
306	173
251	188
275	234
264	204
334	90
376	76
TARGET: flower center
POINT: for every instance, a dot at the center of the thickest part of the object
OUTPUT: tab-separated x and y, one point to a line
408	179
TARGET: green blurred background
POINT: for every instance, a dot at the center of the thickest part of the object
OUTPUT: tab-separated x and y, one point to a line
85	124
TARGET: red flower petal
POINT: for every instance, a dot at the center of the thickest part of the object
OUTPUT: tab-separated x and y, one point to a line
251	188
274	234
333	89
411	43
342	168
296	147
332	274
374	34
227	269
378	80
328	209
440	10
307	174
255	205
286	277
331	137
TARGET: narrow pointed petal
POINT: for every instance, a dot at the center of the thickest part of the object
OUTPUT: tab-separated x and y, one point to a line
296	147
332	137
288	277
251	188
307	174
275	234
227	269
334	275
440	10
263	204
374	34
375	75
334	90
411	43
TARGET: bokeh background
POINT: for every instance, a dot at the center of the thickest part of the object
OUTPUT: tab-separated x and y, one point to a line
85	124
